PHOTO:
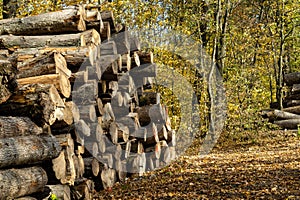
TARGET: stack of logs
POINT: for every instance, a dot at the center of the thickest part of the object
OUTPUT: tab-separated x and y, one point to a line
289	116
76	112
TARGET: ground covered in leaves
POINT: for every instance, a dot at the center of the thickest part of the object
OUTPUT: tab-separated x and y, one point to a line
263	167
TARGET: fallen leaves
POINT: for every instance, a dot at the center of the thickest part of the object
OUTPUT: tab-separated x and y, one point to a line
257	172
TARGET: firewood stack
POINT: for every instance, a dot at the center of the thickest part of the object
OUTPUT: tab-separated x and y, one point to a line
76	112
289	117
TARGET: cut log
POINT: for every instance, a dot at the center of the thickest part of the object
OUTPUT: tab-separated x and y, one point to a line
93	167
108	48
135	60
18	126
107	16
40	102
152	134
288	124
148	98
93	20
108	178
61	82
295	109
110	63
26	198
292	103
278	114
105	33
121	40
139	73
87	113
152	113
49	63
7	80
74	56
79	39
27	149
165	157
126	63
62	192
70	114
83	128
296	88
121	170
145	57
64	166
69	20
21	182
292	97
292	78
140	134
83	190
85	94
134	43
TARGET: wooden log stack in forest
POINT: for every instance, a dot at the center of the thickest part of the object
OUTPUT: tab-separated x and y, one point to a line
75	116
289	116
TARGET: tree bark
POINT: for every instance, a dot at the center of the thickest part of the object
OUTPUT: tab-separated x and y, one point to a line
69	20
74	56
17	126
27	150
288	123
85	38
20	182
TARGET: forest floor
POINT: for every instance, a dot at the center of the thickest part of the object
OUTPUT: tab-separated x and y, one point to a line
266	166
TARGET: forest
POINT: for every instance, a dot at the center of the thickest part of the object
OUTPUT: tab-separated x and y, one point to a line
235	57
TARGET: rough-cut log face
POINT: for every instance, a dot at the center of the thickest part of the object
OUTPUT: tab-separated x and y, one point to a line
20	182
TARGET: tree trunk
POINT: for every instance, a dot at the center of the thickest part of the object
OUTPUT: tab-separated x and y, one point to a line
20	182
27	150
9	9
18	126
68	20
292	78
288	124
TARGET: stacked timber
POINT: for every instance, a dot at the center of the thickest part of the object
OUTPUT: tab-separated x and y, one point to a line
289	116
76	112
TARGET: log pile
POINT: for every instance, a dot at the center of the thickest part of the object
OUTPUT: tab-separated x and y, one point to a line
289	116
75	114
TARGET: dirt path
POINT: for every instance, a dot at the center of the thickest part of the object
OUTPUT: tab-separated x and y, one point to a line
269	169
